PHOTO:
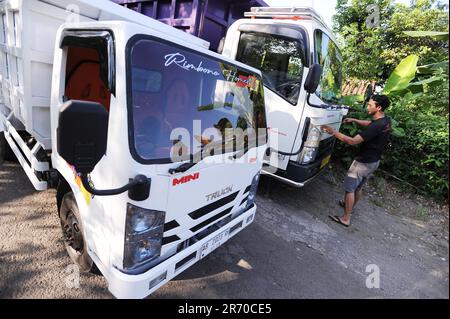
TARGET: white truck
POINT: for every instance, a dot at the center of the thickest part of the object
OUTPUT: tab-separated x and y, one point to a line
92	95
292	46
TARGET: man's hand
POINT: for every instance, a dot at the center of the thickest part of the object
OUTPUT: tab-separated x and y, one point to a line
344	138
349	120
328	129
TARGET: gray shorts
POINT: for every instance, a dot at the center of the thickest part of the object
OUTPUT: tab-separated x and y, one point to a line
357	175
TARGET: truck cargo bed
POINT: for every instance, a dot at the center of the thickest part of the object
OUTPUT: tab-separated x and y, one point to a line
208	20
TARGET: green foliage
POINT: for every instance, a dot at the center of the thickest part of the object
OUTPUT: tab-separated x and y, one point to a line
402	75
419	148
422	15
372	52
422	157
433	34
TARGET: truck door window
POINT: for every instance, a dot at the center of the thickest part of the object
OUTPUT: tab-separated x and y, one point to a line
83	80
279	59
328	56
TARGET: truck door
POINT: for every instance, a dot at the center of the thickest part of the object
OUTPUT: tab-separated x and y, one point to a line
280	52
88	71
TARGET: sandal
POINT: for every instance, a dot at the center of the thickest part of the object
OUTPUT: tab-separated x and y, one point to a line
341	203
338	220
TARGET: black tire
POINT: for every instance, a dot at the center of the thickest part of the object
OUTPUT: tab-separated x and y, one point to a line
2	148
6	153
73	234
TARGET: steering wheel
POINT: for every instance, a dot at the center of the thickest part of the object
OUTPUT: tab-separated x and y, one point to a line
293	83
289	89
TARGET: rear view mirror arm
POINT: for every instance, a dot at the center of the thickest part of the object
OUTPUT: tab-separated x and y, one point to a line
140	181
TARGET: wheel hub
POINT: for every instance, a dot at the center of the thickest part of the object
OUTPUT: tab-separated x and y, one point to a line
72	233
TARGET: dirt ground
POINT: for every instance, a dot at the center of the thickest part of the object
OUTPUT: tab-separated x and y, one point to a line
292	250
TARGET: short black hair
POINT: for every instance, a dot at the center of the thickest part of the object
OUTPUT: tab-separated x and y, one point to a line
381	100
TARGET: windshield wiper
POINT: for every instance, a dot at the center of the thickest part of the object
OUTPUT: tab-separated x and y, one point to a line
186	166
182	168
239	154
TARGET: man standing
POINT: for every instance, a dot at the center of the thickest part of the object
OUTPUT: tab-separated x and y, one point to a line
373	138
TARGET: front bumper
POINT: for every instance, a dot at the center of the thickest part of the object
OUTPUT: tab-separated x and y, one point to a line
298	175
127	286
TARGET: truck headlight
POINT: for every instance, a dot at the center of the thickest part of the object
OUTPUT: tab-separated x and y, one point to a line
308	154
143	235
252	193
311	146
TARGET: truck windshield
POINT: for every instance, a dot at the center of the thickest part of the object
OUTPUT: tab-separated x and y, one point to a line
328	56
182	100
280	61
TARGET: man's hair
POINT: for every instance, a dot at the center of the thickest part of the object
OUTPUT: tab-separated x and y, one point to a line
381	100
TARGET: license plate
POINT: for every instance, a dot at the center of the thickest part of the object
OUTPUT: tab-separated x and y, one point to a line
213	243
325	161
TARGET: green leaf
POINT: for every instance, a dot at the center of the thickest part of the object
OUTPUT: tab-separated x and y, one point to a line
398	132
419	84
431	68
402	75
350	100
433	34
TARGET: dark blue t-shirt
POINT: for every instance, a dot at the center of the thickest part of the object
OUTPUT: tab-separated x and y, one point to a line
375	137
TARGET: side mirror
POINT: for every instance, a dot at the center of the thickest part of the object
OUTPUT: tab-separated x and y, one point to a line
368	94
82	134
313	79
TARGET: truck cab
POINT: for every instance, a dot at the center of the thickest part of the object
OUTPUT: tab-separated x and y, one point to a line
284	43
161	100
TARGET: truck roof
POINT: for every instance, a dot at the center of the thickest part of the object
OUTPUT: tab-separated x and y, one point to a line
295	13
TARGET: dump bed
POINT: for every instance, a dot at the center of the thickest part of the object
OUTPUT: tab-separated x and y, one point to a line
27	41
208	20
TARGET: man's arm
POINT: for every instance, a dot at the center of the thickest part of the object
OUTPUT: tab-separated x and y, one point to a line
359	122
342	137
347	139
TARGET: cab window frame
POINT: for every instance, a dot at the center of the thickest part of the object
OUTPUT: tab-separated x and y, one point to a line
304	43
130	113
315	57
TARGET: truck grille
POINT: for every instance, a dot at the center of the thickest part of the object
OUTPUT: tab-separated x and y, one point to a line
203	211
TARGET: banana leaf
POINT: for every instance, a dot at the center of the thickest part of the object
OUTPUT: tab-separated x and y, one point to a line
433	34
402	75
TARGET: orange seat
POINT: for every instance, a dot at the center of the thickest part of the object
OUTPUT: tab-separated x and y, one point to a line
85	84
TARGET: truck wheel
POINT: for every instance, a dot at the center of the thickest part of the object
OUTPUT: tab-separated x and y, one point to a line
73	234
6	153
2	148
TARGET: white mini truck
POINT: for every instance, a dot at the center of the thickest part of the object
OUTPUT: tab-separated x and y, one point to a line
292	46
118	112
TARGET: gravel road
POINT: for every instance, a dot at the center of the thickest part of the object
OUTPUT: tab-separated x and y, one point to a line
292	250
